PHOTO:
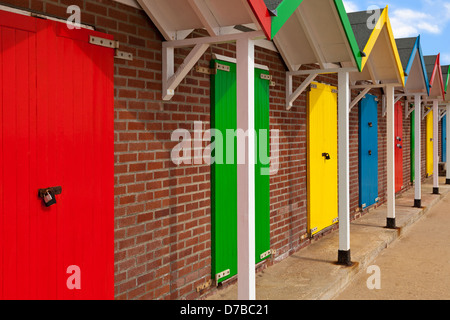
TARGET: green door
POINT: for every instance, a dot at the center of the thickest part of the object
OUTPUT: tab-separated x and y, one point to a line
413	143
224	171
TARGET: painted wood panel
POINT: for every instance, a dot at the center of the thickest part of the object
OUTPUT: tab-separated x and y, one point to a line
56	111
322	157
368	151
398	146
429	143
224	172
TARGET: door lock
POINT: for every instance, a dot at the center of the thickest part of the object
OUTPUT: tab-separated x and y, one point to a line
326	155
48	195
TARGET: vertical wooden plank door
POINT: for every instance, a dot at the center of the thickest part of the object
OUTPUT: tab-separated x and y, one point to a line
56	114
224	170
444	138
322	157
429	144
398	146
413	145
368	151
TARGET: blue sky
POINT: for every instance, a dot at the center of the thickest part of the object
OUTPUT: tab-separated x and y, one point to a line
429	18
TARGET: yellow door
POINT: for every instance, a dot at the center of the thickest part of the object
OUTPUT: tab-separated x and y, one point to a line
430	143
322	157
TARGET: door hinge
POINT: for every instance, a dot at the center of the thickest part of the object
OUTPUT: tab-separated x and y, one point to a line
313	230
104	42
214	70
123	55
265	254
222	274
335	220
334	91
268	77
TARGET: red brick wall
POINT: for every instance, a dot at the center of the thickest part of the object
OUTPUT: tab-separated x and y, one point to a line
162	212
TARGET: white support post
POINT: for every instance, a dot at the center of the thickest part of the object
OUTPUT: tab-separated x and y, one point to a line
448	145
246	172
435	147
418	151
344	168
390	119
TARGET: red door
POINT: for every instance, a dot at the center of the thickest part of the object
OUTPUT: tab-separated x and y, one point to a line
398	146
56	117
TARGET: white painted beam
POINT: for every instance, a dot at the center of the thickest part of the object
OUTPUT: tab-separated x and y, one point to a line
344	167
390	119
436	147
170	79
246	172
291	96
232	37
358	98
448	144
205	16
418	151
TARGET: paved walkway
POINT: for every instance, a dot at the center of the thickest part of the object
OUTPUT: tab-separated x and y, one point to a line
312	274
414	267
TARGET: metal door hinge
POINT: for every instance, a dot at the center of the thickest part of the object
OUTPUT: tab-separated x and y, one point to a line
214	70
104	42
222	274
123	55
334	91
313	230
265	254
313	86
264	76
335	220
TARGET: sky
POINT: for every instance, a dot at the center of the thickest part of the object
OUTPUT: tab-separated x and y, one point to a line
409	18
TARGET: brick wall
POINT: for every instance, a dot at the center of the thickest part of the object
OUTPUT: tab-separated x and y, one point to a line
162	211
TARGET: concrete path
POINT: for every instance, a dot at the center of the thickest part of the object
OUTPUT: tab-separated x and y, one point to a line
312	274
415	267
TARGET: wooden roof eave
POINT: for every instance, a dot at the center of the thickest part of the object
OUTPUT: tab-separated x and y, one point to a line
437	75
383	23
415	59
306	29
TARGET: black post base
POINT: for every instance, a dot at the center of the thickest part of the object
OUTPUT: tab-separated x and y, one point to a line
344	258
447	181
390	223
435	190
417	203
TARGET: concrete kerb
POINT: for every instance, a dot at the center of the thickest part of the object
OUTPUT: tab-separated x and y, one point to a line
311	273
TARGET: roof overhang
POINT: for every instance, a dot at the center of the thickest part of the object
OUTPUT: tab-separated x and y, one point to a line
317	32
176	19
381	62
437	87
446	78
411	56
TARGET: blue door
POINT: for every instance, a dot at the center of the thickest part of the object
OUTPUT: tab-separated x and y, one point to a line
444	139
368	151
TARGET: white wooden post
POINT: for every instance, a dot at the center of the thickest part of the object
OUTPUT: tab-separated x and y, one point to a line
390	118
435	147
246	172
344	168
418	151
448	145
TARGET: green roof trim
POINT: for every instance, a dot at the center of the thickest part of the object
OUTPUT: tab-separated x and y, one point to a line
349	32
284	11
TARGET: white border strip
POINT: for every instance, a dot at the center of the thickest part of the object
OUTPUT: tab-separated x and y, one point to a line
33	14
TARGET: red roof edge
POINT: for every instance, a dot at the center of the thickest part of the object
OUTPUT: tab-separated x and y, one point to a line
261	12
